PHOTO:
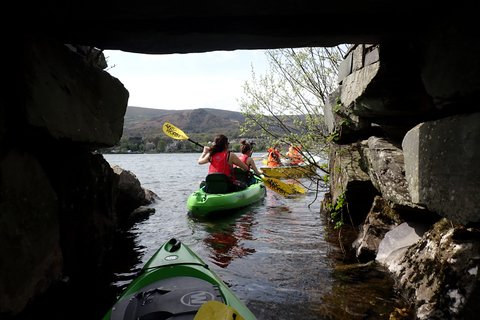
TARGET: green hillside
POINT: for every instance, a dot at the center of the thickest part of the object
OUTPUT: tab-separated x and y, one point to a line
144	122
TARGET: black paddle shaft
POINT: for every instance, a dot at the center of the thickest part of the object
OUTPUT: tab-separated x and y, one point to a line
198	144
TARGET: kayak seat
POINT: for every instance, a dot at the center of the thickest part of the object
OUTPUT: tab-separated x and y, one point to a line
242	176
217	183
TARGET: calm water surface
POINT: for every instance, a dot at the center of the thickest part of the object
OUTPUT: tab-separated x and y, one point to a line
272	254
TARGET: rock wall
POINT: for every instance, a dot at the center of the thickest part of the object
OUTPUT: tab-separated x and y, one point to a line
407	130
57	198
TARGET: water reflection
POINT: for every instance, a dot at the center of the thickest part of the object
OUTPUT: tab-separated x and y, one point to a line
224	235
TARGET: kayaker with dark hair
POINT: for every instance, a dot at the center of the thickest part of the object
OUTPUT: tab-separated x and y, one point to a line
274	156
220	159
246	157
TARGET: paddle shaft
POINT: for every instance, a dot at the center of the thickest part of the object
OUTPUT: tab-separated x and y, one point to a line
198	144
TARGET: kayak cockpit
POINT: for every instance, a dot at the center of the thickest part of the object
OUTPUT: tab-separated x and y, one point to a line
166	299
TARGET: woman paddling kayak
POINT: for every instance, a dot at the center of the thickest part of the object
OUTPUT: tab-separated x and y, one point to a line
221	160
246	157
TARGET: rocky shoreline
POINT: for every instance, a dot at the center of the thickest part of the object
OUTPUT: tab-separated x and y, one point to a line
410	192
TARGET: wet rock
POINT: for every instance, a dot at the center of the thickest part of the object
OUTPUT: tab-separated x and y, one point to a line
440	273
381	219
396	241
131	196
140	214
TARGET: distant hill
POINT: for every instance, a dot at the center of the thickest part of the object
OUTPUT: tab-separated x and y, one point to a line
149	122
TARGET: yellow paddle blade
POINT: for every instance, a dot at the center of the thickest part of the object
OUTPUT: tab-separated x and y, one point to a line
278	186
214	310
298	189
281	187
173	132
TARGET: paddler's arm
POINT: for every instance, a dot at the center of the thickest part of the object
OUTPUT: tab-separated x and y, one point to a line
205	156
251	162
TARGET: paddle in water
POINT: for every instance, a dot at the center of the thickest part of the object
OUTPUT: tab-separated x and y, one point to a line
276	185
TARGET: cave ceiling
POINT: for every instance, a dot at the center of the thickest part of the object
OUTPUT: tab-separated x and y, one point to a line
158	27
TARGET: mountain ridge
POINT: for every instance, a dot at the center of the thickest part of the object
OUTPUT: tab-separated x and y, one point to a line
144	122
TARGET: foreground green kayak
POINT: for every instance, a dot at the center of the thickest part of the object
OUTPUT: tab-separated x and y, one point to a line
203	203
174	285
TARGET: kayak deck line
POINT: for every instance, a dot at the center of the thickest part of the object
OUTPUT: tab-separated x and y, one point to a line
143	270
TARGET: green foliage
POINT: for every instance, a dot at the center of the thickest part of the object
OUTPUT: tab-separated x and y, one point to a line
333	137
285	105
336	209
338	107
340	110
326	178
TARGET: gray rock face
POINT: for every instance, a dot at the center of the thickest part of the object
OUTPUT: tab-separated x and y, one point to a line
386	171
441	272
70	98
441	165
131	196
57	205
428	108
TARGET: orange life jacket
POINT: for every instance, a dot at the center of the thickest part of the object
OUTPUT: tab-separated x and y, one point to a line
295	156
273	158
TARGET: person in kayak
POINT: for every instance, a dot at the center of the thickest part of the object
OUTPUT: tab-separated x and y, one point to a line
221	160
246	157
274	156
295	155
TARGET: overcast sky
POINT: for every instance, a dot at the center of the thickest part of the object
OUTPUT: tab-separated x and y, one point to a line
186	81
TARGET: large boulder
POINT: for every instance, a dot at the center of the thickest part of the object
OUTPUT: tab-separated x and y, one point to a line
132	197
68	97
441	165
386	170
380	93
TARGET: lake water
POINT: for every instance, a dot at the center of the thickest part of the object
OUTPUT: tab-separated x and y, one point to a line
273	254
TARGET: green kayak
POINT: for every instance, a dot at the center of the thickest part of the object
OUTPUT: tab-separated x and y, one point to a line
214	196
174	284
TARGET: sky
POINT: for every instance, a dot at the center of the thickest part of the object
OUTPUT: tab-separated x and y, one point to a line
186	81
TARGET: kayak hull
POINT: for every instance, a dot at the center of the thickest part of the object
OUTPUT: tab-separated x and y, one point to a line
203	204
173	284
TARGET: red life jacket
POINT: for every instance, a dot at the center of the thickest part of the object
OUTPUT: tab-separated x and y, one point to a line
244	158
219	163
